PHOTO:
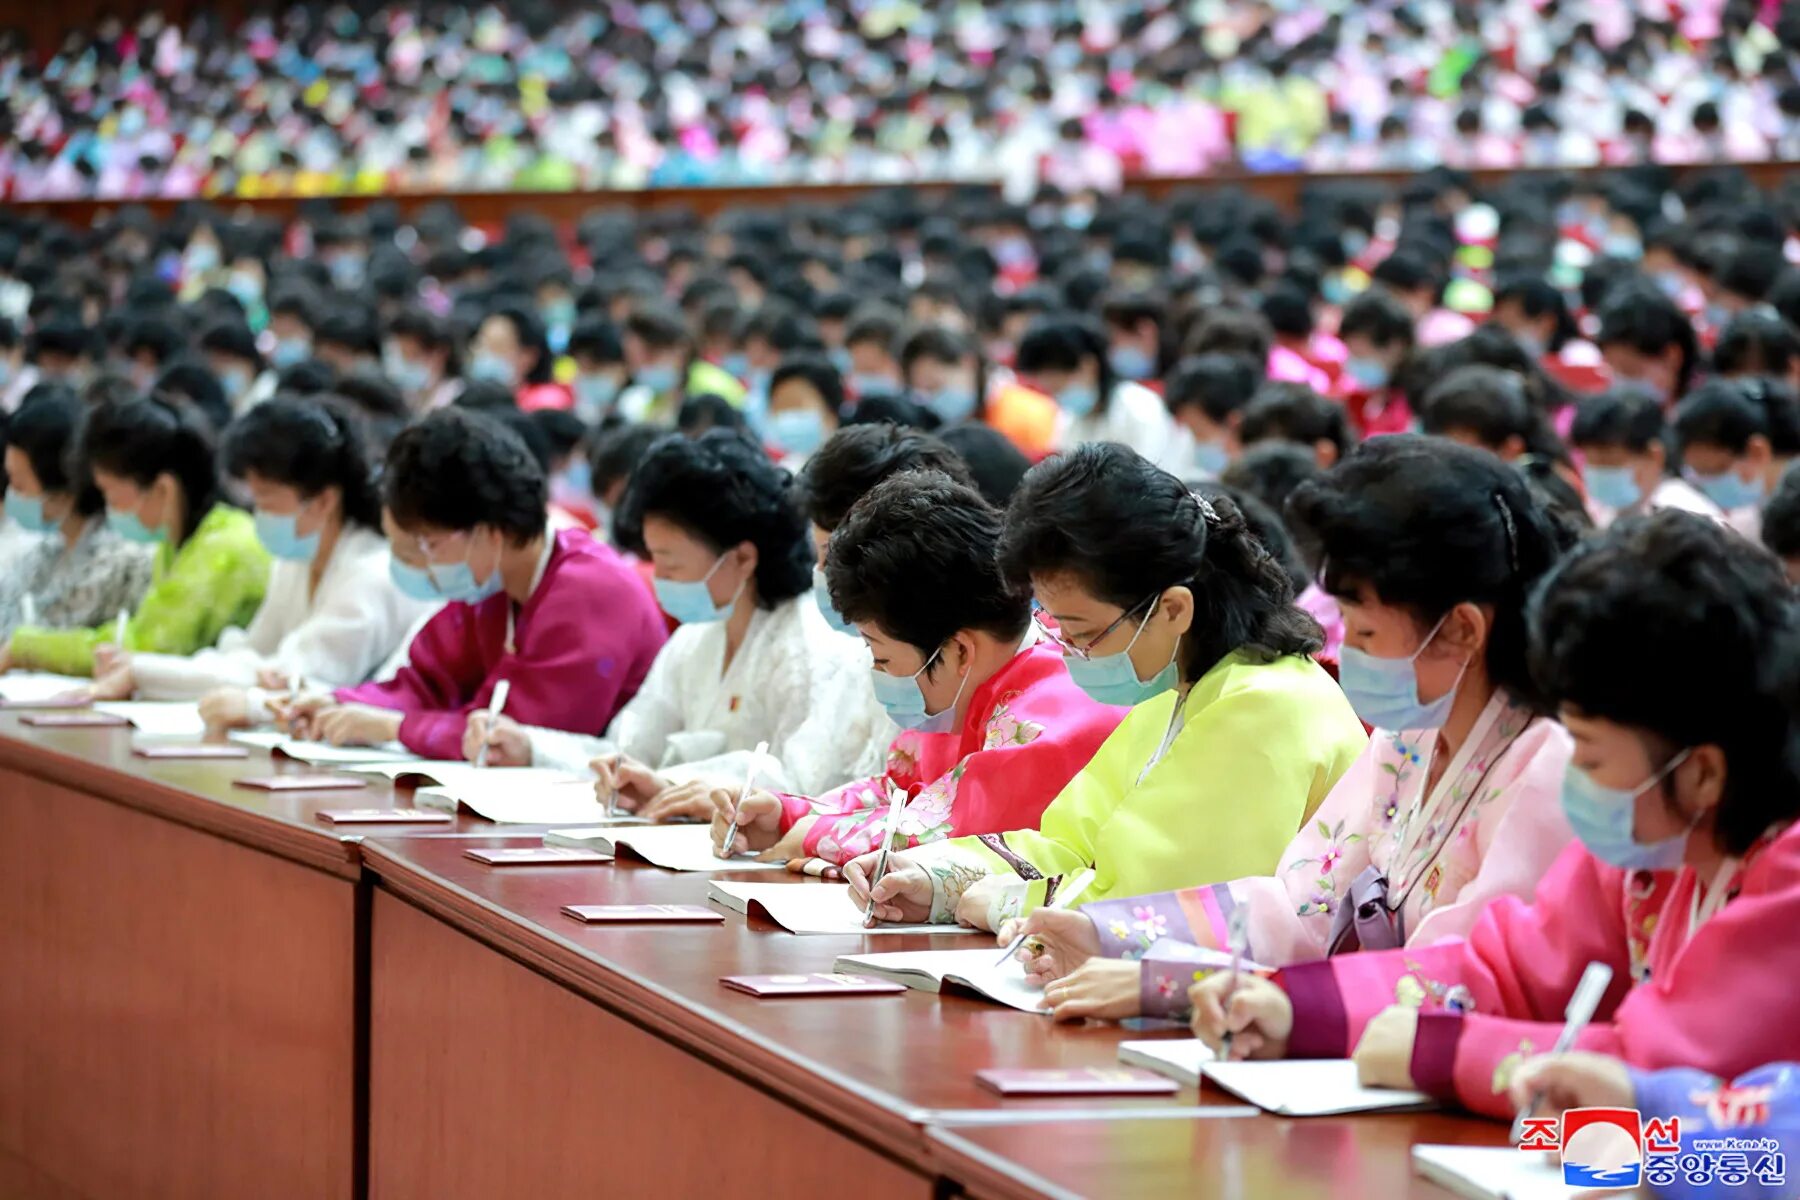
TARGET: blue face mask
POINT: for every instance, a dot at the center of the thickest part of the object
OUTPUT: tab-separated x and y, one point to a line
1078	399
904	700
1729	491
1385	691
594	394
1210	458
840	358
736	363
236	381
27	512
410	377
690	602
1615	487
1112	679
952	405
289	351
1603	818
487	367
658	377
1131	362
575	481
822	597
1368	373
131	527
453	582
866	387
797	430
281	537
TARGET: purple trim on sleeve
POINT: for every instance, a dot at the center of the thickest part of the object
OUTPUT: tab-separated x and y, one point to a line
997	843
1321	1027
1163	990
1109	916
1434	1053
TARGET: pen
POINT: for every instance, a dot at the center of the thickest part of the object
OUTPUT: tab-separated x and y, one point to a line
896	801
731	832
1580	1011
119	629
1237	933
1077	885
28	610
612	797
494	707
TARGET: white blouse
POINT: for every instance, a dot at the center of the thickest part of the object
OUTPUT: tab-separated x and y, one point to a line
795	683
335	637
1135	417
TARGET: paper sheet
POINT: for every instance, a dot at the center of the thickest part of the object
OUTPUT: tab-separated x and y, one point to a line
499	796
1302	1087
975	969
156	720
676	848
1495	1173
321	753
809	907
1178	1058
31	687
588	836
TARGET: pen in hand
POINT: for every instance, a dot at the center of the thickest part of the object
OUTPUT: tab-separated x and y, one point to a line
1580	1011
737	809
1077	884
1237	933
896	801
495	707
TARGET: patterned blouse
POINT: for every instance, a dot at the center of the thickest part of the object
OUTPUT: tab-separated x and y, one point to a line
71	587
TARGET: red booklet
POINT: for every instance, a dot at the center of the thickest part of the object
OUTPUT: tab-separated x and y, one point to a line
189	750
385	816
302	783
612	914
811	985
534	856
74	720
1081	1081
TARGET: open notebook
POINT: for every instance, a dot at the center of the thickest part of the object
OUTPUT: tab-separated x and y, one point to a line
672	847
156	720
808	907
1498	1173
1308	1087
1178	1058
24	688
932	970
321	754
513	796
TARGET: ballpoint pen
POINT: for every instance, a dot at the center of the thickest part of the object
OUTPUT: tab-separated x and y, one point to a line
498	703
896	801
1575	1018
731	831
1237	933
1078	883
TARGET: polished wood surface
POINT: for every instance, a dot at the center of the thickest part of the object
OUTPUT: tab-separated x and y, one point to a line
1317	1158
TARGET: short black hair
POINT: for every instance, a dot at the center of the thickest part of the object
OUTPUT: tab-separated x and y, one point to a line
156	333
562	429
350	329
1271	471
721	488
817	370
1756	341
916	557
191	380
874	323
704	411
1130	530
1719	413
857	457
1427	524
1721	616
1293	412
1537	297
996	464
1626	417
233	339
1639	315
597	338
1220	384
614	454
1485	401
1061	342
457	469
308	444
1377	315
145	437
44	430
1781	515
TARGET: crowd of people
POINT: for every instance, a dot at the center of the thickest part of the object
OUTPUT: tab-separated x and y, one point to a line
527	94
1412	574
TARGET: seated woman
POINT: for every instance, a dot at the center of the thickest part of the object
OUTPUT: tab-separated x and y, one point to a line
1065	356
1166	602
153	461
85	574
993	726
331	614
1431	548
753	660
562	618
1683	791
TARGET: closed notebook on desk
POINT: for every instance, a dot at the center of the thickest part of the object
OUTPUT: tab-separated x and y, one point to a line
770	986
1308	1087
184	750
85	719
1080	1081
935	970
1179	1059
1498	1173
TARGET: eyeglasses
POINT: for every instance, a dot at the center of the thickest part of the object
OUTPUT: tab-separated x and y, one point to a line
1047	627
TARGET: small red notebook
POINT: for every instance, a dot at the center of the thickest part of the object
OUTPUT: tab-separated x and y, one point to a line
74	720
302	783
190	750
811	985
385	816
77	699
535	856
1082	1081
617	914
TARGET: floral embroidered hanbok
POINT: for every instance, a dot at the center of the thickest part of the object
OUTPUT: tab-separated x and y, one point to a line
1381	861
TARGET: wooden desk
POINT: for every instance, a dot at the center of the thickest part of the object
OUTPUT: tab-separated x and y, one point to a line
182	968
516	1051
1319	1158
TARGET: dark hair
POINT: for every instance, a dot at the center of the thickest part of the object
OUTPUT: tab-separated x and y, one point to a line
1719	413
1627	417
486	395
1267	527
350	329
1722	615
704	411
1059	342
44	430
530	332
1271	471
1377	315
1756	342
1220	384
721	488
1485	401
995	463
614	454
233	339
1228	330
1427	524
949	347
1129	531
597	338
1294	412
457	469
430	331
191	380
1287	310
143	438
157	334
1781	515
857	457
1537	297
817	370
563	430
1639	315
307	444
916	557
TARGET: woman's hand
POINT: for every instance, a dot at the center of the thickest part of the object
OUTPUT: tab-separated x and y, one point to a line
687	802
1101	989
758	821
507	745
356	725
225	708
1060	941
632	783
902	896
299	715
1578	1079
973	906
1257	1014
113	680
1383	1054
